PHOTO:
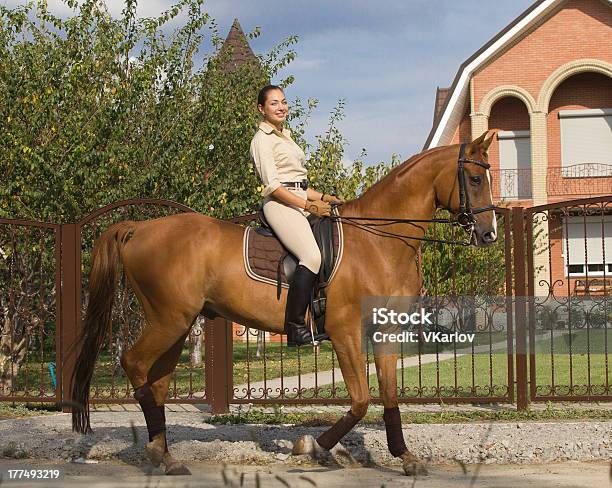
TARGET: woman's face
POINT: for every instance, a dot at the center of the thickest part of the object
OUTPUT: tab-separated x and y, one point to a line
275	109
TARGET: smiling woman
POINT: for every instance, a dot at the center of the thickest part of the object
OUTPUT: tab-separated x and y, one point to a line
280	163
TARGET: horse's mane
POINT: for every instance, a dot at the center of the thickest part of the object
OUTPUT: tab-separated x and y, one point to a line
399	170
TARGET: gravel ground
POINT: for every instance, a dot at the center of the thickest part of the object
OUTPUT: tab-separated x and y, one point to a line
49	437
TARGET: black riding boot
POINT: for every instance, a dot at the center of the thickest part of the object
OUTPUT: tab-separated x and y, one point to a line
300	291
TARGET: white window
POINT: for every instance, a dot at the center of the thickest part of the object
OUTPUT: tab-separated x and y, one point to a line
514	164
587	246
586	142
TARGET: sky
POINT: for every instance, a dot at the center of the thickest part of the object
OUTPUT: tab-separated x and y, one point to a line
385	58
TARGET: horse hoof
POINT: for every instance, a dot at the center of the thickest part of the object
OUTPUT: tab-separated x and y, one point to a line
155	453
177	469
342	455
412	466
306	445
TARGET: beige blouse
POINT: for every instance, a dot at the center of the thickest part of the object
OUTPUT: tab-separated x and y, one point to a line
277	157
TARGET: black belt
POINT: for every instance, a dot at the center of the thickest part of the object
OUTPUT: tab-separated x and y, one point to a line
296	184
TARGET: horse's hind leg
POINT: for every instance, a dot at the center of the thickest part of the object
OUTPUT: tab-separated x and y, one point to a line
159	378
160	343
386	370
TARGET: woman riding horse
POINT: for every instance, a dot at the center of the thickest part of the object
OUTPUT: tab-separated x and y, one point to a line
183	265
287	202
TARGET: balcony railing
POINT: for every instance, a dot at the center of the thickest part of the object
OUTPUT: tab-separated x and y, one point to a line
587	179
587	170
511	184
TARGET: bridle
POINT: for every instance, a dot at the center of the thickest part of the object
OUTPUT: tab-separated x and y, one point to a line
465	216
464	219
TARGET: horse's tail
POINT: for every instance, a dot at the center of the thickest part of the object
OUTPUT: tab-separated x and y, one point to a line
102	286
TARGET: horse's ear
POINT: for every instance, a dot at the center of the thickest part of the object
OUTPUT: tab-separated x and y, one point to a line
478	142
487	142
473	147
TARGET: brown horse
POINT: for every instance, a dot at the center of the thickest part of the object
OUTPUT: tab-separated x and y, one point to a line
182	265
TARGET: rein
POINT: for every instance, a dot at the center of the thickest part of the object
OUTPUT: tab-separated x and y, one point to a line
465	217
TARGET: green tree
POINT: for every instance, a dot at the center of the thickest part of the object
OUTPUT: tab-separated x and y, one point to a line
462	270
97	109
327	170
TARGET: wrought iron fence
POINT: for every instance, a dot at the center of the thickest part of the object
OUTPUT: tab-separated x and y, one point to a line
570	299
511	184
108	382
266	371
44	270
29	310
580	180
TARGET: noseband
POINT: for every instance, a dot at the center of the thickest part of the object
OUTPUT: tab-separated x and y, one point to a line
465	216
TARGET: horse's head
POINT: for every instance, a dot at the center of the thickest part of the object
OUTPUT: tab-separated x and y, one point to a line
465	190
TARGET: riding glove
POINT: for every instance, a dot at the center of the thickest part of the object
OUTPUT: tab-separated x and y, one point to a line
331	199
318	207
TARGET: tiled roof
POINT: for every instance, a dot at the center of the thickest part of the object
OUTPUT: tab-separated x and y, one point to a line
441	95
241	53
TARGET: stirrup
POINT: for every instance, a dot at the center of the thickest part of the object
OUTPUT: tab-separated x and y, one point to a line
314	340
299	332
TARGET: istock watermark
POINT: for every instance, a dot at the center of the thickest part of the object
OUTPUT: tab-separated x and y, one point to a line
575	326
384	316
430	337
421	317
421	324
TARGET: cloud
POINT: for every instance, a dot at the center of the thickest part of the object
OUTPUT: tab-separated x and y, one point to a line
302	64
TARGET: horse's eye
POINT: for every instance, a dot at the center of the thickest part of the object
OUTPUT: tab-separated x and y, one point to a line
477	180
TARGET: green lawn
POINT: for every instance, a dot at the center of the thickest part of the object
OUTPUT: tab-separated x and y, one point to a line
468	375
587	365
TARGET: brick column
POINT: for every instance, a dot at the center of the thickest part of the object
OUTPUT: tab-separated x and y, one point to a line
539	158
539	192
480	123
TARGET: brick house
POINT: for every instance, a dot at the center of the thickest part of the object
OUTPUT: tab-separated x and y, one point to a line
545	84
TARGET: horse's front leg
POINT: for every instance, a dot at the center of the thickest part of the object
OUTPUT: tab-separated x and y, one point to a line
386	370
352	363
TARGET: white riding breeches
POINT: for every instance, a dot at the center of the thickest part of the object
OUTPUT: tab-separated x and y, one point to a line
293	229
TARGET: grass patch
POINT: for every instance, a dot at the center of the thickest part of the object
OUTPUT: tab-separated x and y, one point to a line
256	416
19	410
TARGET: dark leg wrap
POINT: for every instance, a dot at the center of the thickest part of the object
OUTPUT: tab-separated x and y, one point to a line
393	426
330	437
153	414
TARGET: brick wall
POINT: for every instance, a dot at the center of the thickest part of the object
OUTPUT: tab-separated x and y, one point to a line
581	29
464	131
578	29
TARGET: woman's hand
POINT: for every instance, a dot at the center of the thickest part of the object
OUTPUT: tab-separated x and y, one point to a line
318	207
332	199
